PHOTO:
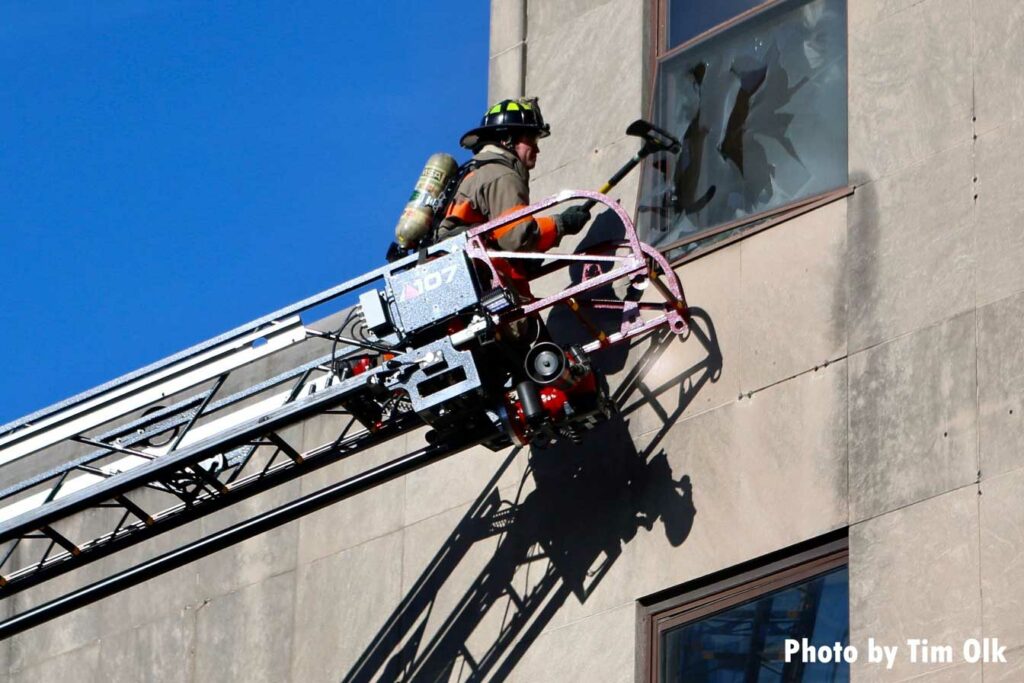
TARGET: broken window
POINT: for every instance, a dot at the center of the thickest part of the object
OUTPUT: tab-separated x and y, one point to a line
760	108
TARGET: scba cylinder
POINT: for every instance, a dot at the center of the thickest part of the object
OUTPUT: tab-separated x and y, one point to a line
418	215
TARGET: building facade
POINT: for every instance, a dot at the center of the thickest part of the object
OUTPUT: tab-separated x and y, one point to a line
833	453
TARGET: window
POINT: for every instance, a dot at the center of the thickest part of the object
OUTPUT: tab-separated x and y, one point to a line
734	629
759	103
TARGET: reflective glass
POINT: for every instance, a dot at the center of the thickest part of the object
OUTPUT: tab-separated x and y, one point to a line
744	644
689	18
761	112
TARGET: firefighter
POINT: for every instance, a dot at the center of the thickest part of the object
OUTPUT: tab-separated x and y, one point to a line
505	148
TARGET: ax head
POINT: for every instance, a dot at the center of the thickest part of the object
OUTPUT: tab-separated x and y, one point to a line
655	139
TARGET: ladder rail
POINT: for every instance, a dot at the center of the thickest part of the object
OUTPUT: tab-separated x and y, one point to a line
216	444
239	532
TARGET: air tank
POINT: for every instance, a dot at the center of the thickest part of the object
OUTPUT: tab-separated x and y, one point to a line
418	215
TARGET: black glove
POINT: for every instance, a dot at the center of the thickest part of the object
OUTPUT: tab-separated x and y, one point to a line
395	252
572	220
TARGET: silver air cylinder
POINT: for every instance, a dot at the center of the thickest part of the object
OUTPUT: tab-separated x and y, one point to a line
418	215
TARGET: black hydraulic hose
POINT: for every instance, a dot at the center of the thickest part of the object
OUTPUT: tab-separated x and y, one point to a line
237	533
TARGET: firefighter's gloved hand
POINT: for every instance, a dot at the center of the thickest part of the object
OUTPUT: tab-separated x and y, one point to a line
395	252
572	220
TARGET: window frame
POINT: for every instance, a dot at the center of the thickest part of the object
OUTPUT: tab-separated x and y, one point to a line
709	595
752	224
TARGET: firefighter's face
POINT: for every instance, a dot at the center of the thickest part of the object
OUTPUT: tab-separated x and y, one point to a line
527	150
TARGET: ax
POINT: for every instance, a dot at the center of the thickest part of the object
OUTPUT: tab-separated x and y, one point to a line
655	140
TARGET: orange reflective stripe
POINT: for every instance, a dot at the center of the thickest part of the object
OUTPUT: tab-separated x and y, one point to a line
546	228
548	233
466	213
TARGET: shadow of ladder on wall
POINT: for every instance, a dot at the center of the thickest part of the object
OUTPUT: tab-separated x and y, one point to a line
558	540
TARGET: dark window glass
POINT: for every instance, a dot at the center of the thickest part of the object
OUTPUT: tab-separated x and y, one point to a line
761	110
690	18
744	644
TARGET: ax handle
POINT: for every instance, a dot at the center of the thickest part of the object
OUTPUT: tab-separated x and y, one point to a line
615	179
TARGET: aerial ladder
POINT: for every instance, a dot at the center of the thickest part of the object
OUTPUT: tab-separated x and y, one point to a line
434	338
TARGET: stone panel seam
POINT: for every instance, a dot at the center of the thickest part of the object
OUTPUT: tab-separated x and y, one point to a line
516	46
190	647
917	163
885	16
547	34
687	418
846	441
293	651
981	574
930	673
1000	300
1015	472
448	510
816	368
724	404
898	508
343	550
202	602
95	643
614	608
551	171
891	340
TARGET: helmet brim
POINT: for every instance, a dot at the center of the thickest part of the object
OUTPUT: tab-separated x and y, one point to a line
473	138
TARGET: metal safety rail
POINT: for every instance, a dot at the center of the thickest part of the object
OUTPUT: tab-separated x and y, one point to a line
141	467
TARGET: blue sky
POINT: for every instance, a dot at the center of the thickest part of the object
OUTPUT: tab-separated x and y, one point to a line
172	169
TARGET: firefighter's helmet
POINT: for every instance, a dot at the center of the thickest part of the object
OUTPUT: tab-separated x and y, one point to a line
505	118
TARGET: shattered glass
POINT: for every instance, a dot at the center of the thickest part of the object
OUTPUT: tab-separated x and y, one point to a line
760	109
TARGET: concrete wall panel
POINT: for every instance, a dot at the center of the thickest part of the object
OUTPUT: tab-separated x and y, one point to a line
999	52
913	430
688	377
505	78
765	473
1010	672
1000	207
342	601
914	574
793	297
456	480
78	665
909	84
357	519
1001	386
159	651
1002	558
245	636
269	554
588	77
456	570
508	25
599	648
589	171
52	639
560	16
956	673
250	562
911	249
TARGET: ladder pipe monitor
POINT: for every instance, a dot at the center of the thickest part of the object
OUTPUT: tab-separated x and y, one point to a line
634	264
239	532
